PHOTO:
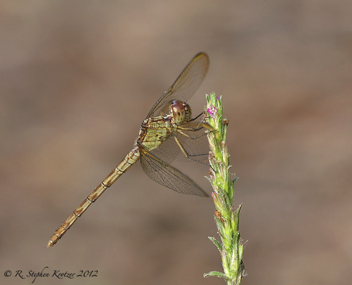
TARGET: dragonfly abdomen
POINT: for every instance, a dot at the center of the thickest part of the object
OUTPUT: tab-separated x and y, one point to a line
131	158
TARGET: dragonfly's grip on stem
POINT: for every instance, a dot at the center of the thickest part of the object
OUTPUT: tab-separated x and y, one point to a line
120	169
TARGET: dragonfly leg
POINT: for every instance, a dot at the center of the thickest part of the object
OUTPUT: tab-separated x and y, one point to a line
203	123
188	136
195	127
195	118
187	155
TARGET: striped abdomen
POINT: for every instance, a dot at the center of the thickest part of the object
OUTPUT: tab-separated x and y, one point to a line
130	159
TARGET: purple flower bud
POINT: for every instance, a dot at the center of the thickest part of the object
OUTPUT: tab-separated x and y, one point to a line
212	111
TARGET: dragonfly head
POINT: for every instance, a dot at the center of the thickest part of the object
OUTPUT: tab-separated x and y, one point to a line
180	111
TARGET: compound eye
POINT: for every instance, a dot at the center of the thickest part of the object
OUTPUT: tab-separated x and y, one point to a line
178	111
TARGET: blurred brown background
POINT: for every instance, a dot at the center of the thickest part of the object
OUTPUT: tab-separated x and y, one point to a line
77	79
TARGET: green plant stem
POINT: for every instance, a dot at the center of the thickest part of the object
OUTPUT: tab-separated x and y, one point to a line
226	216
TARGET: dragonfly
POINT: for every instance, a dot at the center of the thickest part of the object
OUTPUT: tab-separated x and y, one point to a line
167	132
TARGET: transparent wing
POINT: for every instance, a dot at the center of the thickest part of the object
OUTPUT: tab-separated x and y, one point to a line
196	146
186	84
168	176
167	151
192	137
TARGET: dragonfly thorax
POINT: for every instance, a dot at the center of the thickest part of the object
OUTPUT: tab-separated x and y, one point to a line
179	111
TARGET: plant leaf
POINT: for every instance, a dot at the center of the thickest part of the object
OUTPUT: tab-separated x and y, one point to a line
217	244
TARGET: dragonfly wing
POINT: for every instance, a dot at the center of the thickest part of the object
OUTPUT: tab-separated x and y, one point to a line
186	84
168	176
196	146
167	151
